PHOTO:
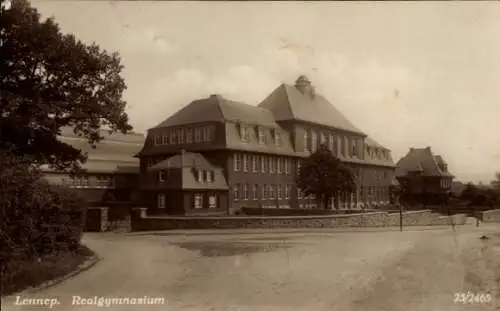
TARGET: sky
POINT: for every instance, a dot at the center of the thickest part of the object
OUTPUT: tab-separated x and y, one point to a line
412	74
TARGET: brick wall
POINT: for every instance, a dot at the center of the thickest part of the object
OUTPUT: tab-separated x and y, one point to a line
491	216
142	222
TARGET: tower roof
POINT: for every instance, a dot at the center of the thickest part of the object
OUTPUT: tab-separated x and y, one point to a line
287	102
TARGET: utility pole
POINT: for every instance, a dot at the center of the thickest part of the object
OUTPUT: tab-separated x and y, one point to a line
400	217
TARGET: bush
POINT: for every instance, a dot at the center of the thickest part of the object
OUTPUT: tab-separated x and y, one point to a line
36	218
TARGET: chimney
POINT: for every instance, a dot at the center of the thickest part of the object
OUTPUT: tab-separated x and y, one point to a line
305	87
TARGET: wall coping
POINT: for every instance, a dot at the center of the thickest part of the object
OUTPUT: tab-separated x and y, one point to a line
273	217
491	211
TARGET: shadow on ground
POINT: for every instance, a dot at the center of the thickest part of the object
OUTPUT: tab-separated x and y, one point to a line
219	249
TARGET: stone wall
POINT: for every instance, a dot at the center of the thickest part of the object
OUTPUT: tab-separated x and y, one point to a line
99	219
491	216
140	221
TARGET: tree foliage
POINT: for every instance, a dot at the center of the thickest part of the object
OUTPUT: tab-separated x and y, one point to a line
51	80
325	176
480	195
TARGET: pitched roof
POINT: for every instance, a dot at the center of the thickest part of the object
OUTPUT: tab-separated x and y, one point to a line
219	109
115	153
440	160
422	160
184	159
288	103
372	143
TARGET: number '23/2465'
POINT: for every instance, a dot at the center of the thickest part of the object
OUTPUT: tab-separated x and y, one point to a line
470	298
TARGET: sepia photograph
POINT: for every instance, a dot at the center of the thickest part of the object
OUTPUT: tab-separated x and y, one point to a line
250	155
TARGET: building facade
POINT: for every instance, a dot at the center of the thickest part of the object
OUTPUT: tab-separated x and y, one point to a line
237	155
424	177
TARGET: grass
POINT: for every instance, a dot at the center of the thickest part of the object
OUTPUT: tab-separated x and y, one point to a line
32	273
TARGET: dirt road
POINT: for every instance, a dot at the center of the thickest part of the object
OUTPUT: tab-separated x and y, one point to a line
282	270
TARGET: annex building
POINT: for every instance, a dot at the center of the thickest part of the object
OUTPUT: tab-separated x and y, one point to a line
425	176
216	155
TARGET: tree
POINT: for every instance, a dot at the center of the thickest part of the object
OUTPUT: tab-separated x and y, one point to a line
325	176
51	80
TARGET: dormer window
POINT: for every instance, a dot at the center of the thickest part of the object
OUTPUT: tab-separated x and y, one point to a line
244	133
209	176
307	143
200	175
158	140
165	139
172	138
314	141
208	133
189	136
322	139
197	135
260	133
277	138
180	136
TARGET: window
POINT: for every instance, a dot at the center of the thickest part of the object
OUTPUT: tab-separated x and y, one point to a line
158	140
244	133
245	163
263	164
237	161
198	200
298	167
161	200
104	181
171	138
277	138
341	146
280	192
189	136
307	142
261	136
208	133
271	165
278	165
165	139
287	166
236	192
197	135
254	163
174	137
300	194
287	191
331	144
271	192
81	181
245	192
314	141
209	176
322	138
265	191
200	175
255	191
161	176
180	136
212	201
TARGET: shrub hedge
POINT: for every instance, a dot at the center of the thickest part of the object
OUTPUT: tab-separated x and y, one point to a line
36	218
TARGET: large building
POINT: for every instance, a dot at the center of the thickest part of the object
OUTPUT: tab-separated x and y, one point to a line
112	171
215	155
425	176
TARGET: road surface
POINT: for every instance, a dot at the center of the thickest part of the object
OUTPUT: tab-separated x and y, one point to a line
308	270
